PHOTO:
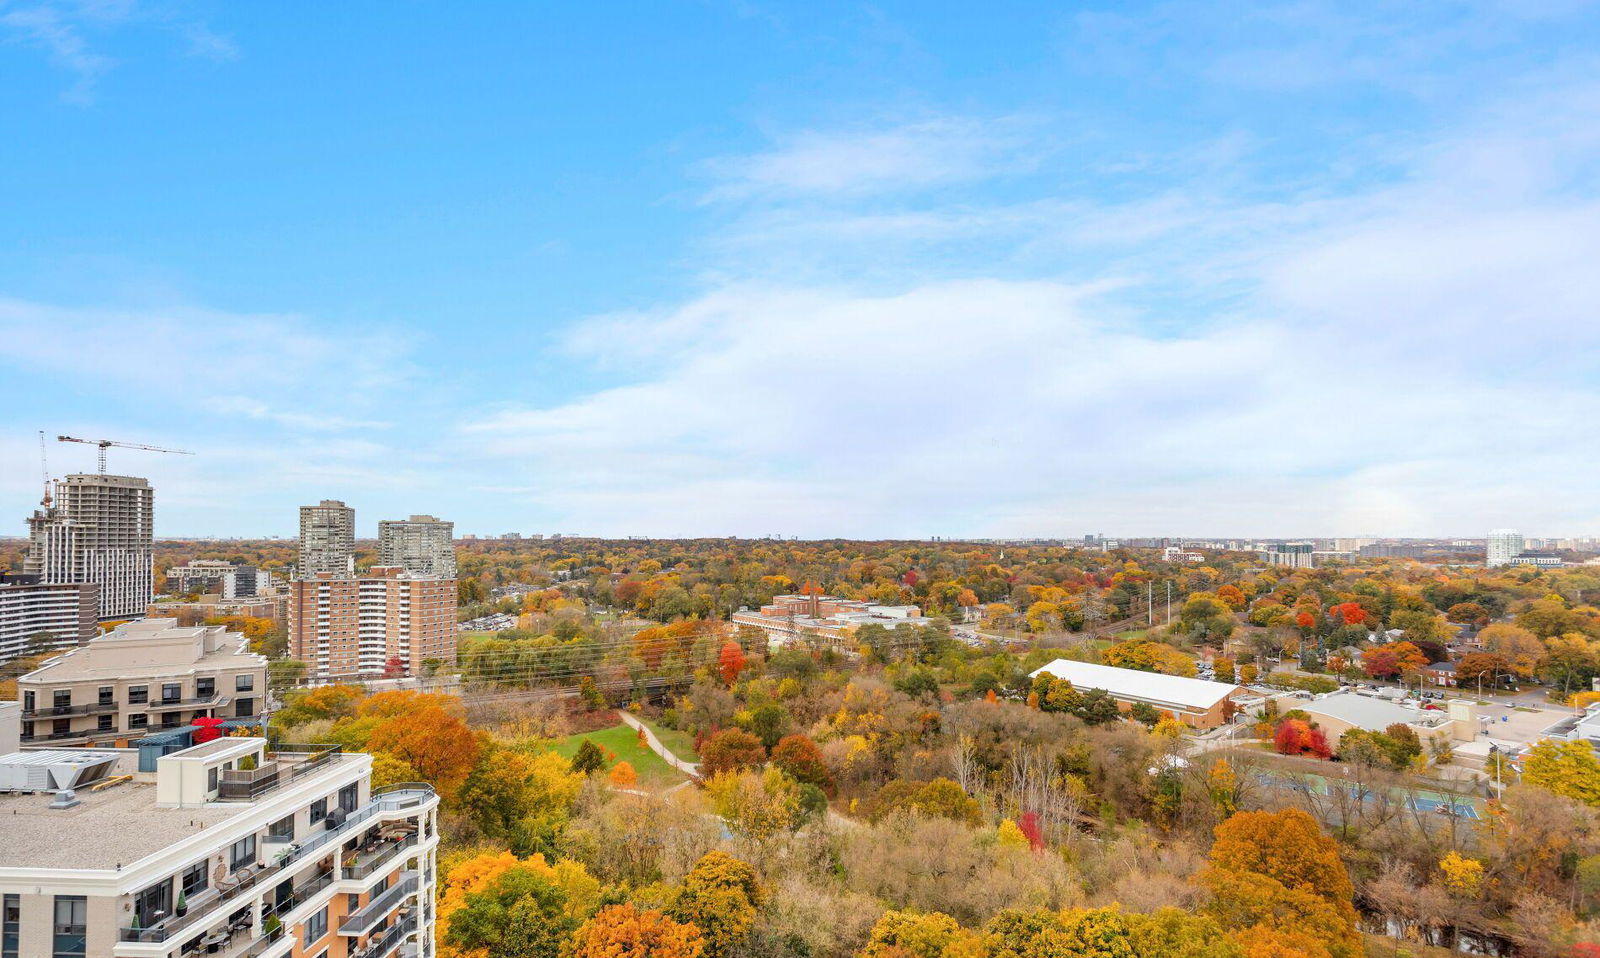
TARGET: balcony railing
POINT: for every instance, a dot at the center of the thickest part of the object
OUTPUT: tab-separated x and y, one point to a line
391	939
392	799
58	711
362	920
380	856
299	896
168	927
284	765
62	736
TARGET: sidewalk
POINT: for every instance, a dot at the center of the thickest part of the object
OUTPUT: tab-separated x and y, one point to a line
692	769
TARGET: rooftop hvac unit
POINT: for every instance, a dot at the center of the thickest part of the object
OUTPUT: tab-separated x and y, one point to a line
59	771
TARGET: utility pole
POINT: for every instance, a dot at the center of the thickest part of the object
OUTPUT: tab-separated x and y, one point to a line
1169	602
1149	602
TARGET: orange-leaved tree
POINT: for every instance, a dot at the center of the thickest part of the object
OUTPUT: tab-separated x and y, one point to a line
1274	876
730	662
438	744
623	931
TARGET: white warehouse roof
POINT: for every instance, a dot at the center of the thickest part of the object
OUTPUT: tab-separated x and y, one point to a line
1152	687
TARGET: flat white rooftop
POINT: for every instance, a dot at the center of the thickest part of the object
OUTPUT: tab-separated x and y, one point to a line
1153	687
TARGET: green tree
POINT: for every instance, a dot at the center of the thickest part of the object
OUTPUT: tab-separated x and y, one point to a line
520	915
588	759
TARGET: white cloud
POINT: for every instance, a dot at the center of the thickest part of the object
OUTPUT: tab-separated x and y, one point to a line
902	157
1418	356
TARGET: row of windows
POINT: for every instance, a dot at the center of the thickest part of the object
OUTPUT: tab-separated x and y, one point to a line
139	721
140	694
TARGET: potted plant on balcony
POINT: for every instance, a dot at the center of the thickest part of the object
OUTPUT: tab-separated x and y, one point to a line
272	926
183	904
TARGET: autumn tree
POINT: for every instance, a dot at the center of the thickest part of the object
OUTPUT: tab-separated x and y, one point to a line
802	760
909	934
730	750
1392	660
623	776
1567	768
1278	872
1298	737
437	743
520	914
754	805
521	799
719	896
623	931
730	662
1489	666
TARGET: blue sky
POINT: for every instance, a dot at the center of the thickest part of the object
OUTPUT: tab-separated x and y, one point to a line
813	268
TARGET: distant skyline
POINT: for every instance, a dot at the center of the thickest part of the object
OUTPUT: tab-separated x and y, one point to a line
829	269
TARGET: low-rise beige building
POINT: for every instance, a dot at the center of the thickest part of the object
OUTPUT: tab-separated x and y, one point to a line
141	677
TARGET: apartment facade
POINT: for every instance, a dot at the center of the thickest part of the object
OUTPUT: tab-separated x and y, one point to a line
422	545
353	626
216	577
225	848
327	539
140	678
98	530
66	610
1501	546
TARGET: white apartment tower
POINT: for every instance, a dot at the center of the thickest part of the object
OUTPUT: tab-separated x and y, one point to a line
1501	546
422	545
98	530
327	538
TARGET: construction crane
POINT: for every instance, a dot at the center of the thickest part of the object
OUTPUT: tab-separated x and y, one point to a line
44	471
105	444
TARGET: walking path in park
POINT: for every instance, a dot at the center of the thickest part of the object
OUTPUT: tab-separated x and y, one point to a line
691	769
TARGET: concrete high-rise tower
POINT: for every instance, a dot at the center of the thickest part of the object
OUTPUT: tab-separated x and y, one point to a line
422	545
327	539
99	530
1501	546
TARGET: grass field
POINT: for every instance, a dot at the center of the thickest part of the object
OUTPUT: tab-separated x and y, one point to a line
681	744
623	742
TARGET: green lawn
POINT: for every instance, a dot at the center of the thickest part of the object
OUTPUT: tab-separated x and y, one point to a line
680	743
623	741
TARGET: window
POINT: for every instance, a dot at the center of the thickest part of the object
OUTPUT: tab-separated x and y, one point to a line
205	688
71	926
108	723
194	879
108	695
317	925
242	853
245	682
27	701
319	810
211	779
244	708
153	904
138	694
348	795
282	829
10	925
61	698
61	727
138	720
171	719
171	692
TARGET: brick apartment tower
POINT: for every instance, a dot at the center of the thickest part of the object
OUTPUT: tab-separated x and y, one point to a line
352	627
